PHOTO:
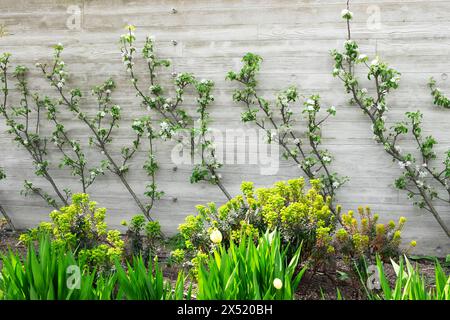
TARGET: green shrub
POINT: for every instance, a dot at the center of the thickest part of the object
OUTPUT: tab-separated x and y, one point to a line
300	216
139	283
81	228
410	284
44	275
246	271
142	237
177	257
368	238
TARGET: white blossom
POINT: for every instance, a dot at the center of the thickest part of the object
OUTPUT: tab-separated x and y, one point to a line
362	57
422	174
346	14
164	125
375	62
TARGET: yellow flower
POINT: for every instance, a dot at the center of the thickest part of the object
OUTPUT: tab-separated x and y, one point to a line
391	224
380	229
216	236
277	283
130	27
413	243
341	235
402	220
364	222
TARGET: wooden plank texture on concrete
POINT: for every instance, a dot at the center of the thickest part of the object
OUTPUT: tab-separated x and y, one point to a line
294	37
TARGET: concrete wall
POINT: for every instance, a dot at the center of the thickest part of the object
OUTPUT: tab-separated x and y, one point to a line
294	37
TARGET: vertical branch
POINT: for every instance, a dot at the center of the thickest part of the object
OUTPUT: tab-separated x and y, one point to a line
207	170
314	163
2	210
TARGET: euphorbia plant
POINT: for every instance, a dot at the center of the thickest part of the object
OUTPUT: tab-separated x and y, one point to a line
368	238
280	116
81	228
418	172
409	283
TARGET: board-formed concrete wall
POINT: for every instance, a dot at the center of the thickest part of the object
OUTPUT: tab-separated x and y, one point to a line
293	36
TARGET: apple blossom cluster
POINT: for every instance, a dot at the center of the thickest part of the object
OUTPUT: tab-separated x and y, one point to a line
101	126
422	181
312	160
174	121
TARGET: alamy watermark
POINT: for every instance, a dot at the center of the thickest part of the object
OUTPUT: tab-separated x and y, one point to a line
73	281
373	279
233	147
374	19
